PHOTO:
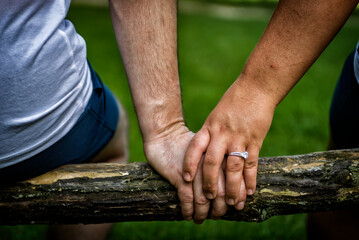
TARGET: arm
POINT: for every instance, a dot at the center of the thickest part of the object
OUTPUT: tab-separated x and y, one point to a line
146	33
146	36
296	35
147	39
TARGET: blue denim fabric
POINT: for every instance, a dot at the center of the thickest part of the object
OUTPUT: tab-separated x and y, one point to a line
91	133
344	112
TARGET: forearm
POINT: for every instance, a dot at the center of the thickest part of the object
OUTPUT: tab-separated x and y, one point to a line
298	32
294	38
146	32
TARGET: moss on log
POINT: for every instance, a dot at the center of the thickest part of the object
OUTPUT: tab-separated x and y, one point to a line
97	193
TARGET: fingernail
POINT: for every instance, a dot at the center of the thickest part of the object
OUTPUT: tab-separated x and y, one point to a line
209	196
240	206
187	177
188	218
231	201
250	192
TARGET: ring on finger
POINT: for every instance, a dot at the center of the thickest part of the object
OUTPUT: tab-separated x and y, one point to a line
240	154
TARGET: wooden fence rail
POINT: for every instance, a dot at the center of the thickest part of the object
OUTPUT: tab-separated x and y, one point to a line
97	193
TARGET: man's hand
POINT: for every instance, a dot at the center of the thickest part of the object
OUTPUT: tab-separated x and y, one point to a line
146	32
165	154
239	122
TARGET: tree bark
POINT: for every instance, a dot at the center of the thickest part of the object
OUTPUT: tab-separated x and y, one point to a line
97	193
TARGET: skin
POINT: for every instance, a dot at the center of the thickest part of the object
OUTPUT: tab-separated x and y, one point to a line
296	35
195	163
146	33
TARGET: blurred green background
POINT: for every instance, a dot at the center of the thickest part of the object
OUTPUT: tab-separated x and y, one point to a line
214	43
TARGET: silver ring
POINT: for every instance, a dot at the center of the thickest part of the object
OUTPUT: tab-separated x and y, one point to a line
240	154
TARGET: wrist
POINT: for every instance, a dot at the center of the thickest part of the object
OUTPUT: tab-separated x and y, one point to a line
159	120
161	131
167	140
250	89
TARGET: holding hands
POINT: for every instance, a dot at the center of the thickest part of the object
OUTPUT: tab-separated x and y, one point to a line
166	154
201	165
146	33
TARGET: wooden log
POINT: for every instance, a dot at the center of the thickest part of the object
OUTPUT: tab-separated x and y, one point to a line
97	193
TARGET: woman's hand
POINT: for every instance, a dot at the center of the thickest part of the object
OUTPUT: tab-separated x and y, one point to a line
238	123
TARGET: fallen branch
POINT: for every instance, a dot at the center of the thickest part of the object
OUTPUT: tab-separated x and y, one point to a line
96	193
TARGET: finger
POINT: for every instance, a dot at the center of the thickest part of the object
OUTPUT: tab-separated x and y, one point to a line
250	169
234	176
242	196
194	154
201	203
219	205
211	166
185	195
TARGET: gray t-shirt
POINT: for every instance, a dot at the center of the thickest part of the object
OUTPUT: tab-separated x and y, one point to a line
45	80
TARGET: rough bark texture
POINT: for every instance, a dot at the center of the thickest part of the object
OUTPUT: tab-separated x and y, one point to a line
96	193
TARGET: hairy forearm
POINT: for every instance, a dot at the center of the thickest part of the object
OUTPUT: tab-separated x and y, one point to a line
146	32
297	33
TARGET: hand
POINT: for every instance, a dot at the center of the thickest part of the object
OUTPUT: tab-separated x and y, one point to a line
165	154
239	122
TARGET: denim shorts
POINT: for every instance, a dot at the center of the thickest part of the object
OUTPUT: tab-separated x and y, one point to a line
90	134
344	111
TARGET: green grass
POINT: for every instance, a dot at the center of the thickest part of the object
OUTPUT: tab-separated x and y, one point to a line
212	52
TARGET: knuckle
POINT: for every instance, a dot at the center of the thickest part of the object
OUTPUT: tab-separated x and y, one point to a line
187	199
202	133
210	161
202	200
212	126
250	164
234	166
185	196
197	142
